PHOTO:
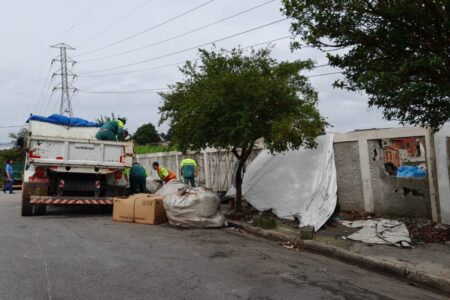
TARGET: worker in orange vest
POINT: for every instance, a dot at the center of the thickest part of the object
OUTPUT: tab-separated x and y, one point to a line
163	173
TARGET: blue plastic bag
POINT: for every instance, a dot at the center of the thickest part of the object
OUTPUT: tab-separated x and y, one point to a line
64	120
411	171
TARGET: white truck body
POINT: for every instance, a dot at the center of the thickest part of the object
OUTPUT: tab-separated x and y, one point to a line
75	147
68	165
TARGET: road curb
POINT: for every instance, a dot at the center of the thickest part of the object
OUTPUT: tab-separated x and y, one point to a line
367	262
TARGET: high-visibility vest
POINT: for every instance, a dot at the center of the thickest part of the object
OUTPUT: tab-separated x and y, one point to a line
165	174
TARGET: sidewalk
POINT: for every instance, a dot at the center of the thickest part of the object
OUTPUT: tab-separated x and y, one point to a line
433	258
425	264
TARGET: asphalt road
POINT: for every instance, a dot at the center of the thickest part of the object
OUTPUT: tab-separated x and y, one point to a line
75	253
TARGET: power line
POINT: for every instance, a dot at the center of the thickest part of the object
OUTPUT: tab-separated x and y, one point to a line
148	29
48	103
36	85
88	12
114	24
180	35
133	71
325	74
181	62
125	92
188	49
163	89
39	96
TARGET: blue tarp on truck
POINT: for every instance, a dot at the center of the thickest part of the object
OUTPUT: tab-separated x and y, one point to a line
64	120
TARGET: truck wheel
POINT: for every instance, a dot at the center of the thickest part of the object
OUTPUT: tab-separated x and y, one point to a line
29	189
27	207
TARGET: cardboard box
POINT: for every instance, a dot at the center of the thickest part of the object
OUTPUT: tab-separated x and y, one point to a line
123	210
149	210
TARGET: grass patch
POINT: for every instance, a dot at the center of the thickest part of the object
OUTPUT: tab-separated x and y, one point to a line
146	149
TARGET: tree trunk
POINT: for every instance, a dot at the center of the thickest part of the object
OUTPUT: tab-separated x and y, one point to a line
242	158
238	185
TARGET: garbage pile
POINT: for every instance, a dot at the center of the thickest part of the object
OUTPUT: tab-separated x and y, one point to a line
174	202
191	208
428	232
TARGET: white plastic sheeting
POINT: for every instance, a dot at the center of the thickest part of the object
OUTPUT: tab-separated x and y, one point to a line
299	183
380	231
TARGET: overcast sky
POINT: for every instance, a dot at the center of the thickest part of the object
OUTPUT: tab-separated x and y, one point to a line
29	27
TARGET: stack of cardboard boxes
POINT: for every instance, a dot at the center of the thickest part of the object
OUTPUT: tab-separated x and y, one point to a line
140	208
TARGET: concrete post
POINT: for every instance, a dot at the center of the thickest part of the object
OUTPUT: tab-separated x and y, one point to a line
365	174
206	169
432	173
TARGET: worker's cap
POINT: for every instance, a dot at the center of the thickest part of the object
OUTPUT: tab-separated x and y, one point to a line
123	120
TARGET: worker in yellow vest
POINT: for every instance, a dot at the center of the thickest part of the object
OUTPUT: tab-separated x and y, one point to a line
189	170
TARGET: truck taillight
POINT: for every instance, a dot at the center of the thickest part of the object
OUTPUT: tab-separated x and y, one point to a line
118	175
39	172
61	183
97	184
32	155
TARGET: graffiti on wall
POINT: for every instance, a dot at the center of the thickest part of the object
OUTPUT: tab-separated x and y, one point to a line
404	157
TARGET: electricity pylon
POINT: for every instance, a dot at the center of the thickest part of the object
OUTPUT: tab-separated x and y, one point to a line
64	72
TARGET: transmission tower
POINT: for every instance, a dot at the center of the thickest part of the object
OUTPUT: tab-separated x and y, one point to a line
65	87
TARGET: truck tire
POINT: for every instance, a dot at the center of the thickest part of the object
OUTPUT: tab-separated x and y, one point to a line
27	207
29	189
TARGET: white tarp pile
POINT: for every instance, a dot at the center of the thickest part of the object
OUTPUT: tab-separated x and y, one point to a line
380	231
299	183
191	208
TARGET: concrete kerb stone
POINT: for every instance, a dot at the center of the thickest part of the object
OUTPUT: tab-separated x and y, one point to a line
367	262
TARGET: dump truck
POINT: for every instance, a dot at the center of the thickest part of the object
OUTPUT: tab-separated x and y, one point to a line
67	165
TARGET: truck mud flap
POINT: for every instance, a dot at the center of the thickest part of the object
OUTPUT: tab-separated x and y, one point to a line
52	200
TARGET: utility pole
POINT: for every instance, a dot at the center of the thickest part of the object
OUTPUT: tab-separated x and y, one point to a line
64	72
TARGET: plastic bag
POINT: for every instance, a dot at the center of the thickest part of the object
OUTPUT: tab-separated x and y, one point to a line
193	208
152	185
171	187
411	171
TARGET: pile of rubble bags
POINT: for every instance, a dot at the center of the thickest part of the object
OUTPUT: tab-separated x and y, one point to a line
140	208
191	207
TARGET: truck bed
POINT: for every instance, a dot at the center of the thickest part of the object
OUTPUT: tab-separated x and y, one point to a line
74	149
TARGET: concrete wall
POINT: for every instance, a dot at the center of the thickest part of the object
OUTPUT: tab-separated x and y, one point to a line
394	196
348	172
442	146
382	193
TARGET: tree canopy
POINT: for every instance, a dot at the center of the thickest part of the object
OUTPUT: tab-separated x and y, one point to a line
230	100
146	134
398	52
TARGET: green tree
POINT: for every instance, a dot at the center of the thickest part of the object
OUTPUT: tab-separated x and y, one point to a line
398	52
230	100
104	119
20	138
146	134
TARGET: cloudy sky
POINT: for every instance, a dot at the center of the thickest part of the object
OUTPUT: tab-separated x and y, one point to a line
123	46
